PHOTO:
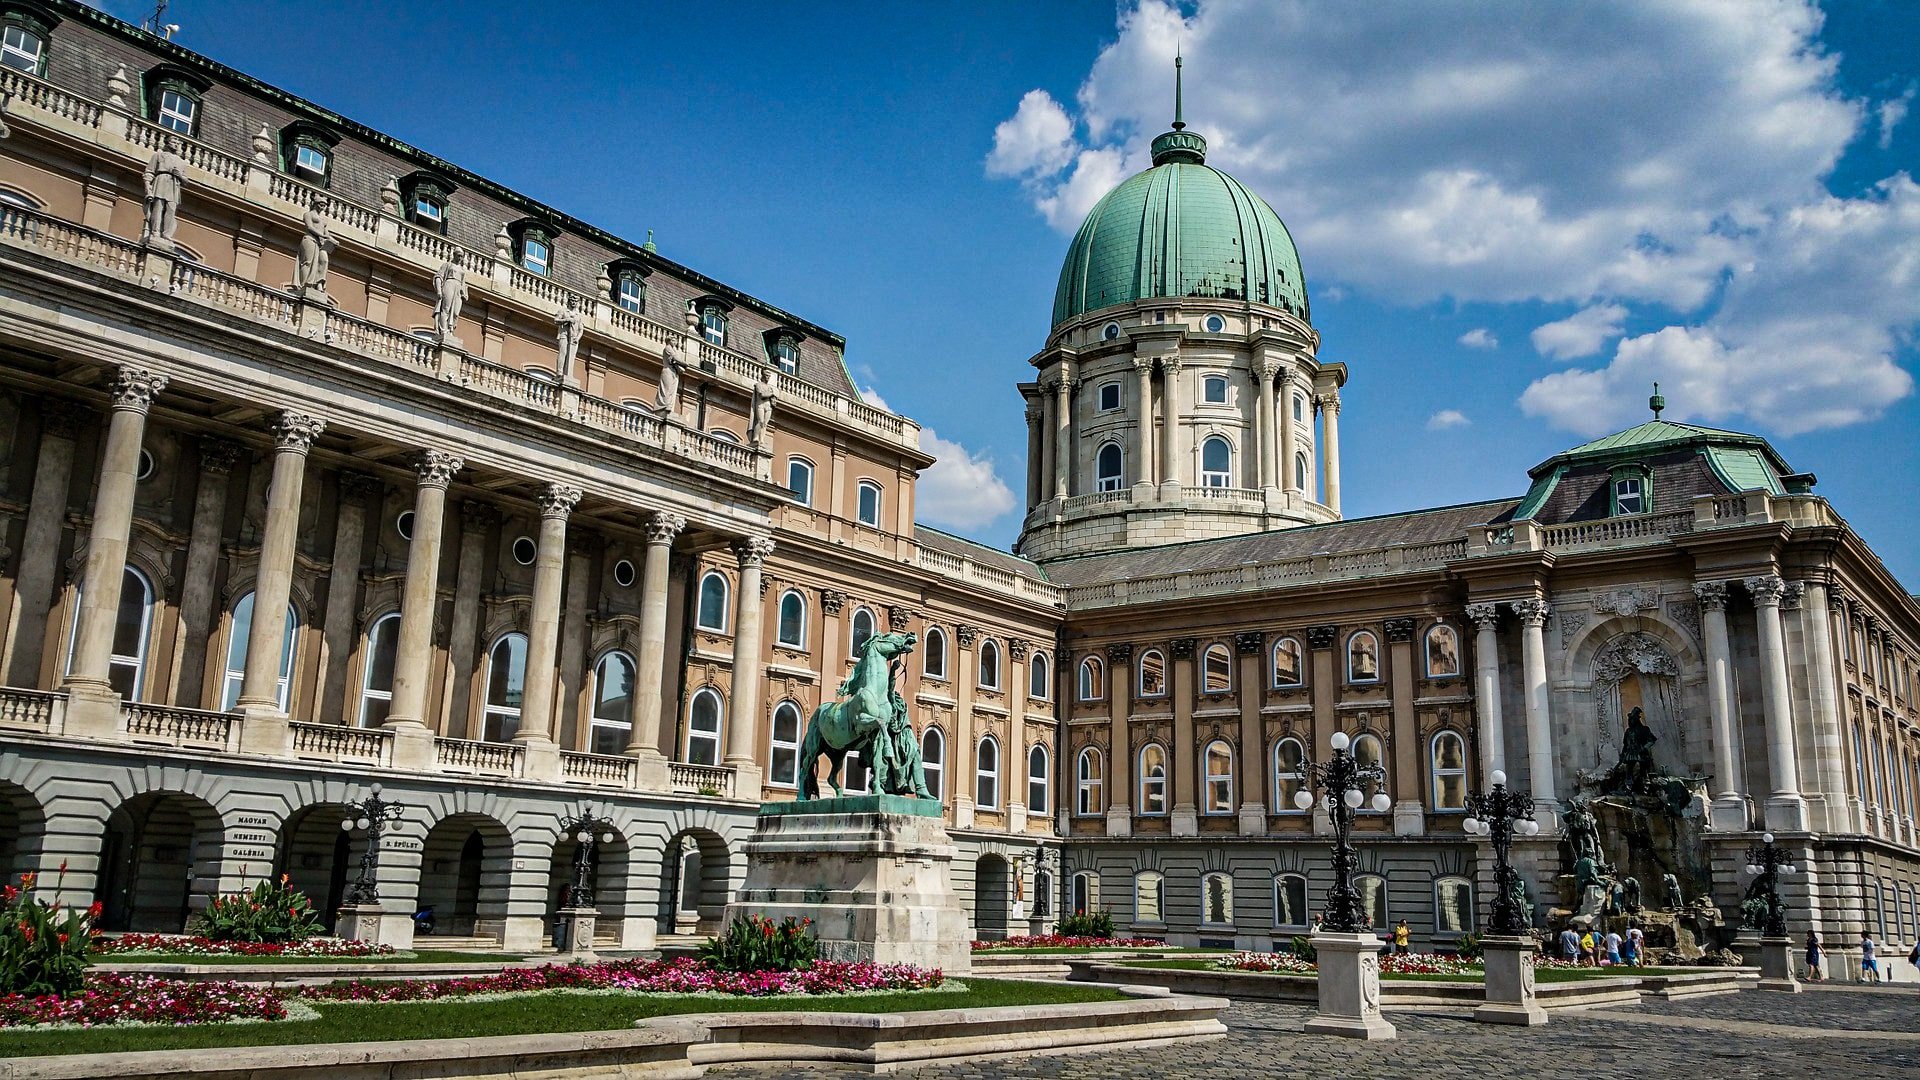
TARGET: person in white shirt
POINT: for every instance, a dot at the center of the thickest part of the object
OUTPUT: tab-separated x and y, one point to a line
1869	964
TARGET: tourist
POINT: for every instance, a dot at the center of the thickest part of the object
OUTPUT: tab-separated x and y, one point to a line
1613	948
1813	957
1401	938
1636	946
1569	945
1868	962
1589	953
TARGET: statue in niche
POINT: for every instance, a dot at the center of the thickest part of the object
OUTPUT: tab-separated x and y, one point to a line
1363	659
166	178
449	296
1443	652
668	398
760	423
568	327
1636	753
316	250
1286	663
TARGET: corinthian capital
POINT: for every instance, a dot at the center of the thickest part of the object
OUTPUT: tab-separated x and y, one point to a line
296	431
663	526
436	467
134	387
1329	403
753	550
1484	616
1712	594
558	500
1532	612
218	456
1766	589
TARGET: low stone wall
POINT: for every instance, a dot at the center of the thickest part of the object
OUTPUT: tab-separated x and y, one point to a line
1411	994
320	971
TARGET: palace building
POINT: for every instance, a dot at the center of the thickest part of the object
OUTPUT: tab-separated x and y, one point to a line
326	463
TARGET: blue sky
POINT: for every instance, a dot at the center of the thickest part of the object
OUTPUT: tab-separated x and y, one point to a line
1510	218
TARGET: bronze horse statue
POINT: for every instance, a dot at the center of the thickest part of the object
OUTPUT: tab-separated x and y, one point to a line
869	719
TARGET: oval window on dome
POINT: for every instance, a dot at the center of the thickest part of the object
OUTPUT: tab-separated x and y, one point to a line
1112	332
1216	324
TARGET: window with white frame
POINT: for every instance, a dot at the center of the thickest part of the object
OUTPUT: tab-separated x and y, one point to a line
1217	766
1093	680
1216	899
1452	905
986	783
178	111
376	679
784	763
863	629
1039	780
1299	409
1109	396
1216	670
1151	674
612	726
933	656
1089	783
1039	677
1289	775
703	727
311	161
1289	902
506	687
23	48
1373	899
1216	463
1213	390
536	253
713	324
132	629
786	355
933	761
1288	671
1110	468
630	292
793	620
800	480
1300	472
238	640
989	664
1449	756
1149	888
869	503
1153	780
1630	492
713	602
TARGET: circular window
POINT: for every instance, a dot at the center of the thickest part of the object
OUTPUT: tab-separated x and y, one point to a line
145	468
525	551
623	573
1112	332
404	525
1215	324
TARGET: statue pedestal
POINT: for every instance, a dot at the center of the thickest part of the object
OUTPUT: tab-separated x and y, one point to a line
869	870
1509	969
371	922
1349	988
577	926
1776	965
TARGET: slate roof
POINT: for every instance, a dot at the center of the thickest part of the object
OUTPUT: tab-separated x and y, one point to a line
1357	534
967	549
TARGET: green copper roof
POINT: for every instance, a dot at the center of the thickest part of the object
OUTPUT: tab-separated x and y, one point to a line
1744	469
1180	229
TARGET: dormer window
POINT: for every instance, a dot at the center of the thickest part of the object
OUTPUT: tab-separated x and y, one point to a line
1632	492
630	292
713	319
424	199
306	151
315	163
23	39
533	245
173	99
783	349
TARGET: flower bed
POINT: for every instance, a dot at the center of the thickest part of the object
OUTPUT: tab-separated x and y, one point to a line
183	945
110	998
1390	964
1065	941
681	976
1283	963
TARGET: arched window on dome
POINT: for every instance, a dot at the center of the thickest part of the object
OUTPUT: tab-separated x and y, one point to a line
1216	463
1110	468
1300	472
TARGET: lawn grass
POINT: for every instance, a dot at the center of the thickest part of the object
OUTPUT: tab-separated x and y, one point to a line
542	1013
430	956
1042	950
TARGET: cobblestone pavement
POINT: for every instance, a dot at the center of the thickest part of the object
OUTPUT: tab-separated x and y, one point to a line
1831	1033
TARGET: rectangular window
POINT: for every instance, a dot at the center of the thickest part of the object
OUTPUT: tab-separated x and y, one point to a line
630	296
176	112
311	161
20	50
429	211
787	356
535	256
1109	397
1630	495
870	505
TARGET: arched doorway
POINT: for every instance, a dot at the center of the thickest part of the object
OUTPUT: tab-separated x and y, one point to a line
698	883
160	862
320	858
992	895
608	862
22	827
466	865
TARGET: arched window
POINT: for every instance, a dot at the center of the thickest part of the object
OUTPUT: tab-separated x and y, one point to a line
132	626
1089	784
1218	765
613	679
1216	463
703	728
869	506
23	41
1363	657
1443	652
713	602
1373	899
1300	472
800	480
793	620
1289	775
1086	892
1152	674
1366	751
1039	677
1449	755
1093	679
238	640
1288	671
1452	905
933	660
1289	902
376	679
1039	777
1153	780
989	664
986	783
1148	891
1216	900
785	762
933	761
1109	468
1216	673
863	624
506	685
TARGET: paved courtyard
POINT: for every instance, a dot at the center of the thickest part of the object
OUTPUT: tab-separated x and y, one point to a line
1835	1032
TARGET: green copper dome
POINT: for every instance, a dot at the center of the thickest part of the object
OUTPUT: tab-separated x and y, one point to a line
1180	229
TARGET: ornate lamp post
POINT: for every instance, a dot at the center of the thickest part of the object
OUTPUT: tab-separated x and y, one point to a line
1499	815
371	815
1348	957
579	916
1767	862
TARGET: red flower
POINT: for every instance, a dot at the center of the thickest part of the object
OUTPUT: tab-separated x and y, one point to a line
9	893
93	912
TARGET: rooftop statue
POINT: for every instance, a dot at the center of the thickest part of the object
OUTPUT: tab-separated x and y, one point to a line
870	719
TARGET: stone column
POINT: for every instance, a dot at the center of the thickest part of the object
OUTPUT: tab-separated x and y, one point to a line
1015	673
743	720
1049	433
1143	420
1330	451
1822	604
1533	668
1288	437
343	598
38	573
1486	672
964	764
217	458
1252	764
1036	440
293	435
419	595
543	625
133	392
1183	756
477	520
1729	807
661	528
1063	431
1119	745
1263	420
1409	811
1172	469
571	675
1786	808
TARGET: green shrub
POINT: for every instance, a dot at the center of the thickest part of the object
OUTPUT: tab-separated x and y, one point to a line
1303	948
1099	924
757	943
42	950
273	913
1470	947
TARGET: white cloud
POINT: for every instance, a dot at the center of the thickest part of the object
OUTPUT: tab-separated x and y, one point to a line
1480	338
1036	141
1581	333
1890	112
961	490
1447	419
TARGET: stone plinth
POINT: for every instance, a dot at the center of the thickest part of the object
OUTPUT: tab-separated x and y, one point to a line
371	922
1776	965
577	923
871	871
1349	987
1509	971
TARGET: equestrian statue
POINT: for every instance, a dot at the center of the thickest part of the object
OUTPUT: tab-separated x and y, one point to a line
869	719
